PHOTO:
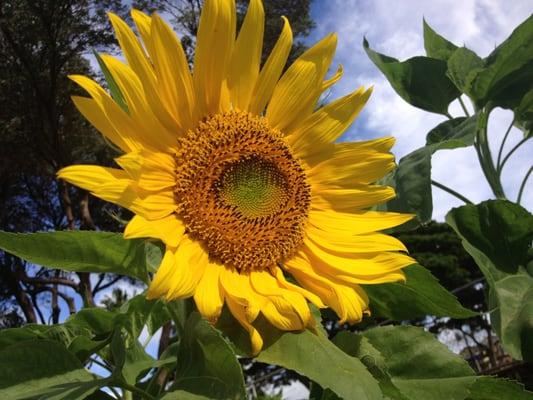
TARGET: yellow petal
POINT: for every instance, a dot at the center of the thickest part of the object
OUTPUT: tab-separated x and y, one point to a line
238	287
162	281
154	206
349	302
215	39
144	25
152	171
355	198
174	79
356	223
190	263
333	80
286	309
125	132
327	124
344	168
152	131
246	57
169	229
208	295
269	76
345	243
307	294
372	268
297	92
139	63
239	312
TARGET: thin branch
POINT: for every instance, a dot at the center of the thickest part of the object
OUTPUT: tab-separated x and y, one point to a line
523	185
450	191
464	107
500	152
108	284
520	143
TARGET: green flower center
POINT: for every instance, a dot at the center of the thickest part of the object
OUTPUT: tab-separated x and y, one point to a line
253	187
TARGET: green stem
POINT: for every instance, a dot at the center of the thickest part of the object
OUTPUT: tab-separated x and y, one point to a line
115	392
448	115
485	157
523	185
464	107
500	152
450	191
135	389
520	143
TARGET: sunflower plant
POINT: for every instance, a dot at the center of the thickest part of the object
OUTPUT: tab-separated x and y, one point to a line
250	219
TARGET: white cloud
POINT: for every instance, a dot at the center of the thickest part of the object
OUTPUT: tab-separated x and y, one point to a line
396	30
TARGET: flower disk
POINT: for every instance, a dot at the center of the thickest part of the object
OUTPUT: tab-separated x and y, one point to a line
241	192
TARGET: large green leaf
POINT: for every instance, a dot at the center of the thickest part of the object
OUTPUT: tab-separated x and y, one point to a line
182	395
309	354
437	46
419	296
208	365
38	367
421	81
81	251
410	363
412	178
463	67
507	72
524	114
498	235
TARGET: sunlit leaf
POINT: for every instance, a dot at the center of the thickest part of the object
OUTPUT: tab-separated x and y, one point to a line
463	67
309	354
420	295
436	45
80	251
421	81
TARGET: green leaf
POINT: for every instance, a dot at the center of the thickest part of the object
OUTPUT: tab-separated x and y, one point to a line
411	181
114	89
182	395
489	388
420	295
419	364
309	354
410	363
421	81
207	363
498	235
139	311
437	46
508	71
463	67
452	134
80	251
524	114
37	367
412	178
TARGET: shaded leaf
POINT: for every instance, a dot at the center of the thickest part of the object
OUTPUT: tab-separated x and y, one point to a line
412	178
114	89
498	235
420	295
208	365
36	367
489	388
80	251
421	81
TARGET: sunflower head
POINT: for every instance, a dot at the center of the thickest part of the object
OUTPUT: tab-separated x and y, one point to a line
235	168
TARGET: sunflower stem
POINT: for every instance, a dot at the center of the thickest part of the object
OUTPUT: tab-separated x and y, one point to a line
520	143
450	191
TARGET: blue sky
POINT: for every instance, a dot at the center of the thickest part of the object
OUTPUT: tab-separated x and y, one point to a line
395	29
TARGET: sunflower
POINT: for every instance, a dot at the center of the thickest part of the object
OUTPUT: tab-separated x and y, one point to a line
236	169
